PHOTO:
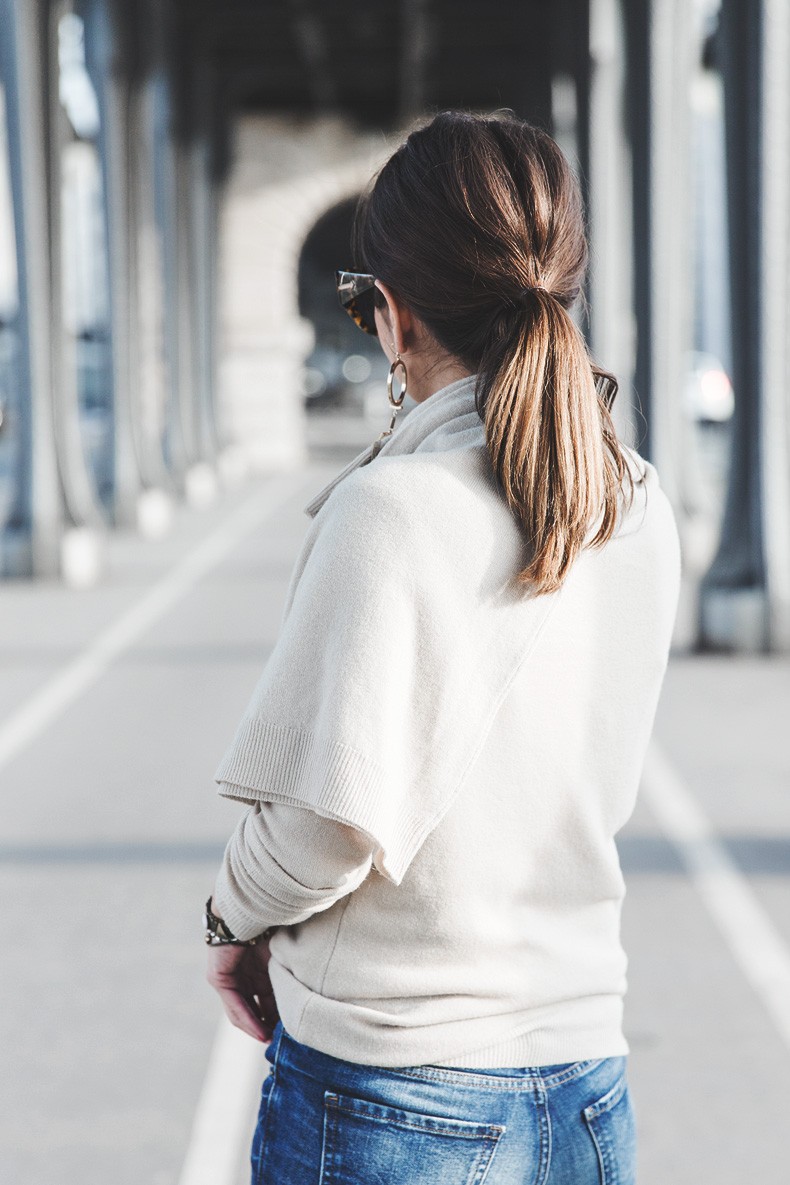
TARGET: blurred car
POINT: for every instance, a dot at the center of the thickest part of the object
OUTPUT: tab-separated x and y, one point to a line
334	376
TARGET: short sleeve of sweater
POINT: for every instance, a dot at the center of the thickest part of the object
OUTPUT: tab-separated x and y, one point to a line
388	668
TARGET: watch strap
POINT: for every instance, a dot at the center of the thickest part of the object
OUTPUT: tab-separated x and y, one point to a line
219	933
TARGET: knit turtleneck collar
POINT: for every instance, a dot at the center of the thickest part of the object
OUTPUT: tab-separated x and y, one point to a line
456	401
453	405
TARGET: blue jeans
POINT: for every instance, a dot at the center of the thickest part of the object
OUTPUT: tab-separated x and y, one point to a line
324	1121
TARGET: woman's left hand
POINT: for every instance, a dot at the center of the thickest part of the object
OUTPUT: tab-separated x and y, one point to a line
240	974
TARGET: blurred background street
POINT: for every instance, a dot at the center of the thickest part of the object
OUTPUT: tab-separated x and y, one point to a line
177	183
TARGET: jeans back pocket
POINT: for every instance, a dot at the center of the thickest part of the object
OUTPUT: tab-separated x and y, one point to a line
610	1120
369	1142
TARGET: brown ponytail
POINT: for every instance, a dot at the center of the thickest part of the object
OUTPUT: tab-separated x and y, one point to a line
477	223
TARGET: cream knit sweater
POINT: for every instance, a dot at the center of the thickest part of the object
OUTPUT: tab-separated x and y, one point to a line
437	764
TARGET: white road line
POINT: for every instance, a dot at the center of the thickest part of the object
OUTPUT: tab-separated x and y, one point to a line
221	1127
46	704
757	946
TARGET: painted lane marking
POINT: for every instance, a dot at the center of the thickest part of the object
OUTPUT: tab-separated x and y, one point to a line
221	1126
59	692
755	943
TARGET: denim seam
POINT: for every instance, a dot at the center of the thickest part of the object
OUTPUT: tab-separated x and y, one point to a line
481	1081
329	1142
270	1100
608	1101
544	1122
333	1107
490	1131
592	1113
492	1142
325	1141
491	1145
603	1159
478	1080
577	1071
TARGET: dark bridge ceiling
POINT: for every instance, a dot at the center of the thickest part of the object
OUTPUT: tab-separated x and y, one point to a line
383	61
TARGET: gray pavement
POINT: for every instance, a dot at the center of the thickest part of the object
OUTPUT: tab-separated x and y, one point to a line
111	829
710	1075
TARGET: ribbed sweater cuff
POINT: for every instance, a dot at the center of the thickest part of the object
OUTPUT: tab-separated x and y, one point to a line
226	898
277	763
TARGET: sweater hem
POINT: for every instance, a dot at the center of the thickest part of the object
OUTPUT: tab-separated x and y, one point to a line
544	1047
566	1031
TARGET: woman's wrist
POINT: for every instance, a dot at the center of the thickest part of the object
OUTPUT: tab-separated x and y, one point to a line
219	933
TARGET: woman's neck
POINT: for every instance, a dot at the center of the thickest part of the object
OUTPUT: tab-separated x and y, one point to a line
428	374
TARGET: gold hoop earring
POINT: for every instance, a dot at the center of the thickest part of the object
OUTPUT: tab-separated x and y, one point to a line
396	403
396	365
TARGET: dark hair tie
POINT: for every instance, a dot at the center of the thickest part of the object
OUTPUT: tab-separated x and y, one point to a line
525	293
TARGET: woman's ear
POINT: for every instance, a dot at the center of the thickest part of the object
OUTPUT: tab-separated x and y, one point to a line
400	322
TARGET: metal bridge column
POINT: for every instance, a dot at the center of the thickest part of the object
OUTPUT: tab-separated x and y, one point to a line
775	335
745	596
659	57
612	326
153	394
31	541
174	218
201	246
81	494
107	43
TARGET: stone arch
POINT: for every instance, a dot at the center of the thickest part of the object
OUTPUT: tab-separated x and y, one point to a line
289	172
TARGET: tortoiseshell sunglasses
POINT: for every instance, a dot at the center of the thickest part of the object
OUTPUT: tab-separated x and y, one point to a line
356	291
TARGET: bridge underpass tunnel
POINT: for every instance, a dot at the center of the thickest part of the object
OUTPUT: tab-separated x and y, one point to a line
346	369
172	330
177	184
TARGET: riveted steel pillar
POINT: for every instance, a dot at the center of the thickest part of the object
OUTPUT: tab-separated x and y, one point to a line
153	390
30	542
80	497
775	329
107	46
202	247
174	214
639	97
745	595
659	60
610	291
190	211
161	161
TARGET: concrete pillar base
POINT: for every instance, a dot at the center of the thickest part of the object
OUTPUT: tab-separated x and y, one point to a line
82	557
201	485
734	620
265	415
16	554
155	513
